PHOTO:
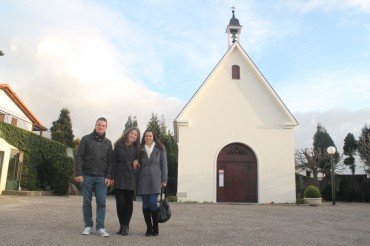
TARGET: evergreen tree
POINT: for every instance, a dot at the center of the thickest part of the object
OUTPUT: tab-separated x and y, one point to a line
349	149
61	129
159	128
321	141
131	122
364	147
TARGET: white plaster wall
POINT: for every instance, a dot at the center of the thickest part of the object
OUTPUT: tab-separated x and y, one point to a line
4	146
227	111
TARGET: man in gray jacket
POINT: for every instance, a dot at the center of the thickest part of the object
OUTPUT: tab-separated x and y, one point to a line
93	170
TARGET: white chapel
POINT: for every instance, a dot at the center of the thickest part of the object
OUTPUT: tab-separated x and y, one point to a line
235	135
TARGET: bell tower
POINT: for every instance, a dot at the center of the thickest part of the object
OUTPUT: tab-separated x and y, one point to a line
233	30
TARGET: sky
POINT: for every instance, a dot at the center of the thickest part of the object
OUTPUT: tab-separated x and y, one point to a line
118	59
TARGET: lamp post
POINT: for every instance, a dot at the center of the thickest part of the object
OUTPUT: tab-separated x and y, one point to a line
331	151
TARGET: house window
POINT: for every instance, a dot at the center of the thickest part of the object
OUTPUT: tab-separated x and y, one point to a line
308	173
235	72
14	121
2	117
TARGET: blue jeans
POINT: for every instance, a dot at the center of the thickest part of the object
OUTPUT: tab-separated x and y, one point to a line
97	185
150	201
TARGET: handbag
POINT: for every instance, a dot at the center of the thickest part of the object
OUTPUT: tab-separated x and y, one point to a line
164	210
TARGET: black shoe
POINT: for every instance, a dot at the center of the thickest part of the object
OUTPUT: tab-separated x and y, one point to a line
120	229
125	230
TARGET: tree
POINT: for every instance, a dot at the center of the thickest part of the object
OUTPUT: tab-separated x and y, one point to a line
309	160
61	130
321	141
159	128
131	122
364	147
349	149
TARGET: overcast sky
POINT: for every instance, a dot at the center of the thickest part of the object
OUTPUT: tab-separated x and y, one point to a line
120	58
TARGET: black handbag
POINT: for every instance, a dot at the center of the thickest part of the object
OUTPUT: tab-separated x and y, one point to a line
164	210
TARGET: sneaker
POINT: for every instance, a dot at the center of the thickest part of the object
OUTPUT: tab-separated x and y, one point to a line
102	232
86	231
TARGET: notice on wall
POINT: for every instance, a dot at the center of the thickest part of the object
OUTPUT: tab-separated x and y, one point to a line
220	178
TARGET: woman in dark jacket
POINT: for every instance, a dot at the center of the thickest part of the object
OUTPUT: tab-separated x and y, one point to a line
152	177
125	163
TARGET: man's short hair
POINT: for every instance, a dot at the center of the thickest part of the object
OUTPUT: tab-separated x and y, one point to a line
102	119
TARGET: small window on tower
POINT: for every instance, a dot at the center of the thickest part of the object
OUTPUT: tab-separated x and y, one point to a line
235	72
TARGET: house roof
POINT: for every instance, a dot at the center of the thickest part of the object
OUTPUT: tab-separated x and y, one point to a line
37	126
292	121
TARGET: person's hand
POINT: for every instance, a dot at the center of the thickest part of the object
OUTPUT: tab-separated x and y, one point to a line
107	182
163	185
79	179
136	164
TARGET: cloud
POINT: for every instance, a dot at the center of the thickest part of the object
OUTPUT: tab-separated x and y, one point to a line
329	5
326	89
70	57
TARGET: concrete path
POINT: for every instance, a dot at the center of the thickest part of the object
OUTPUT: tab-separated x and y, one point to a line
53	220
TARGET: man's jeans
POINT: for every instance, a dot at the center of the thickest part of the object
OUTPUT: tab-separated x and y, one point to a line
97	185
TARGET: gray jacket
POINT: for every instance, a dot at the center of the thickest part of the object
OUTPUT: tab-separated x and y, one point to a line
153	171
94	157
124	174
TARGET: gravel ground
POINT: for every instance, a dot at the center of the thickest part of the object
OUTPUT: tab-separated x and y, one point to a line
57	220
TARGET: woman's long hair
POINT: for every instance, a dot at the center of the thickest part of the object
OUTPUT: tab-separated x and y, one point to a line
124	138
155	139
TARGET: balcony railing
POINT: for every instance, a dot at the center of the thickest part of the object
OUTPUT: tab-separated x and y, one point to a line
21	123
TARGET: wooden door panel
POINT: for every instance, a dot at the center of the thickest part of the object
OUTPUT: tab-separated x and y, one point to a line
237	168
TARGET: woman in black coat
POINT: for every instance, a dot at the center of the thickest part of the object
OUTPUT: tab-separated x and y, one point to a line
125	163
152	177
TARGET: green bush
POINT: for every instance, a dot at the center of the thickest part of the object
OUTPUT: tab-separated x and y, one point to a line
172	198
299	201
327	193
312	192
45	161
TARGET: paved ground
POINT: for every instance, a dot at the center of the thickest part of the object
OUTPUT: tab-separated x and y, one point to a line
53	220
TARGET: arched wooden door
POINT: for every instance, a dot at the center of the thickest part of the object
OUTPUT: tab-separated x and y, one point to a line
236	174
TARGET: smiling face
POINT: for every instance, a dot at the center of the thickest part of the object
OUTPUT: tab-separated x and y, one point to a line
100	127
149	138
132	136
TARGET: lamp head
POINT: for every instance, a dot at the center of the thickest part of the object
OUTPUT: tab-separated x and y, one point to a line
331	150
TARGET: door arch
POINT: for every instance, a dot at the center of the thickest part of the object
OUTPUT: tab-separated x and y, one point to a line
237	174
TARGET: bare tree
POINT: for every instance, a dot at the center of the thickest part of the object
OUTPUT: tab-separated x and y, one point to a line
315	161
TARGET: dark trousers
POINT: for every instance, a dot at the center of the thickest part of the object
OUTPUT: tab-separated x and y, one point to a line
124	205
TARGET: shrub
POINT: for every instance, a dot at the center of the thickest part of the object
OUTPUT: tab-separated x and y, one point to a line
172	198
299	201
312	192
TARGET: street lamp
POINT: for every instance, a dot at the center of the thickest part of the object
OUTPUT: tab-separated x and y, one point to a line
331	151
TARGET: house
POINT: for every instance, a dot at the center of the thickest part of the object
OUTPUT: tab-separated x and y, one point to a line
15	112
235	135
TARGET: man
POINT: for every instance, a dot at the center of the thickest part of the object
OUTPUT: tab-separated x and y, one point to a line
93	170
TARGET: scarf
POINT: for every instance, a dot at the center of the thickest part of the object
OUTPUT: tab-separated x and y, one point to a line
149	150
98	137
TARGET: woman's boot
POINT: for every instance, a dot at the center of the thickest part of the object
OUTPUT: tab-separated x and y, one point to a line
125	230
120	229
148	221
155	223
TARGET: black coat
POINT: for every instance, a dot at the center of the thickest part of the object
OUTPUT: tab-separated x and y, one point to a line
94	157
124	174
